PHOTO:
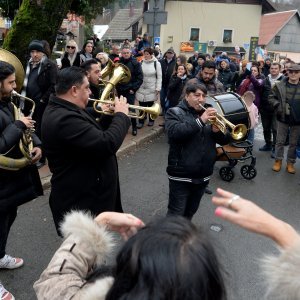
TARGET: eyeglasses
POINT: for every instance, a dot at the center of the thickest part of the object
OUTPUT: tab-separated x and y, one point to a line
71	47
293	71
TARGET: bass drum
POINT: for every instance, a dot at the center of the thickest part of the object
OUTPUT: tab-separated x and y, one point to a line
232	107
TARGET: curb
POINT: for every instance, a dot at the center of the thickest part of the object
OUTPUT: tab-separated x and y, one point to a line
135	143
132	145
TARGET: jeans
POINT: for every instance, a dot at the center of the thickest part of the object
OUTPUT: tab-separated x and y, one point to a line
163	96
269	124
184	198
7	218
282	132
250	137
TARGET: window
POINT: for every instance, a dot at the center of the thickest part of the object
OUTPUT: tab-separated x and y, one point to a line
227	36
277	40
195	34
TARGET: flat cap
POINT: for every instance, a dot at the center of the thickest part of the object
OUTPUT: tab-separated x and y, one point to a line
294	67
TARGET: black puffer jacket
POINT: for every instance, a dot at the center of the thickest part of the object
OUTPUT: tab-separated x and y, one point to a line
16	187
192	151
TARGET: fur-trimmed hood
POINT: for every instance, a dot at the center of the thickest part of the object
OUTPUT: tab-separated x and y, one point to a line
283	274
86	245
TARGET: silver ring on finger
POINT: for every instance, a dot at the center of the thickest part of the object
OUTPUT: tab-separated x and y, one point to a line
231	200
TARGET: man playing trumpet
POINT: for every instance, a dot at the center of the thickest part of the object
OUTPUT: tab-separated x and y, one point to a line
81	152
192	151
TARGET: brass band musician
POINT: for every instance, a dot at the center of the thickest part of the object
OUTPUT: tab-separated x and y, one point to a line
19	178
82	152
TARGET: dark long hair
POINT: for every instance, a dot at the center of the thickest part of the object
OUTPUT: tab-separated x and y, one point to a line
170	259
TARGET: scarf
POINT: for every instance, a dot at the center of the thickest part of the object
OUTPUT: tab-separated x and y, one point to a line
28	72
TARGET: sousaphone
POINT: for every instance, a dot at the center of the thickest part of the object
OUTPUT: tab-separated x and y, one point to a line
25	144
13	60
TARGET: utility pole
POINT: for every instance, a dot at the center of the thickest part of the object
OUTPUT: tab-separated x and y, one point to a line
154	17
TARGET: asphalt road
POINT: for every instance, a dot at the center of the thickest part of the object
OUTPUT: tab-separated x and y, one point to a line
144	187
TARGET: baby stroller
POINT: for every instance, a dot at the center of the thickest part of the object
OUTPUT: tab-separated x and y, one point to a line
232	107
234	153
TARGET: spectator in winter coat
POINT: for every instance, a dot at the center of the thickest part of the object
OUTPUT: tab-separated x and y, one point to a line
87	52
225	76
176	85
71	56
200	61
207	76
149	91
254	83
267	113
167	67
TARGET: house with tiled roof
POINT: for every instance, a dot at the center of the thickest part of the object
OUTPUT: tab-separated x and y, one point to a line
204	25
120	26
280	34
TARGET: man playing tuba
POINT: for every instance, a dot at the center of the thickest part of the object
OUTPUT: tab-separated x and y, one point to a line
19	178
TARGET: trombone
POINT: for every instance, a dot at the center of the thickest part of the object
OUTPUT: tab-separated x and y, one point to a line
153	111
238	131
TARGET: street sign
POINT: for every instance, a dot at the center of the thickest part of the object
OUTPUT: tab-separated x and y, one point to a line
155	17
157	40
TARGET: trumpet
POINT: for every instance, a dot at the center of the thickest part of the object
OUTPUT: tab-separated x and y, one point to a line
238	131
153	111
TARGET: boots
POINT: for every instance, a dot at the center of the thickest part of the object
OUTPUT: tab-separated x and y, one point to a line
277	165
290	168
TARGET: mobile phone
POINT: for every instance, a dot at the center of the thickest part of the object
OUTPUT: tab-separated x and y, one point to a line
248	66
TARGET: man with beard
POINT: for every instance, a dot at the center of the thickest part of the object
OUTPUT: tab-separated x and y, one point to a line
16	186
207	77
192	152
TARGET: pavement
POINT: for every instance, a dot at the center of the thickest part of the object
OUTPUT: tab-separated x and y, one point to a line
130	144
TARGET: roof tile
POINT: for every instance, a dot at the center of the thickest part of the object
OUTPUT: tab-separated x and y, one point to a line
271	24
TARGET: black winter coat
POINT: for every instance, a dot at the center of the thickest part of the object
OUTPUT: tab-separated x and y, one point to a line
225	77
65	62
16	187
136	76
82	157
47	79
192	151
167	69
175	89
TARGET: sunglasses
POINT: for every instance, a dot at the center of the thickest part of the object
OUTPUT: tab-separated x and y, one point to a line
71	47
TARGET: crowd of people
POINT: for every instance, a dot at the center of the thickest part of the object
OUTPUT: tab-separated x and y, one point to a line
80	148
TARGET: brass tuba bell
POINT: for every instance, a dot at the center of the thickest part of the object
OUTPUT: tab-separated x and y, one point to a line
25	144
119	73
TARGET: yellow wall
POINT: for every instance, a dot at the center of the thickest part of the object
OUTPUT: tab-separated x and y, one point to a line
2	22
212	18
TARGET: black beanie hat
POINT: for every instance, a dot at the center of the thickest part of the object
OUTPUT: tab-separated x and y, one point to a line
36	45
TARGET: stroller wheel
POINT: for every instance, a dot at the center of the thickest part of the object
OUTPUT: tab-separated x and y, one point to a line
226	173
248	172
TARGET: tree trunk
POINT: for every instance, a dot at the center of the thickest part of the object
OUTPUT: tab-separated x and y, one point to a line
36	19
